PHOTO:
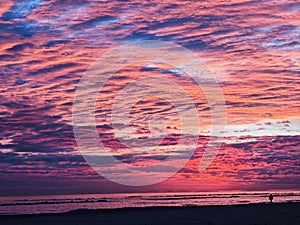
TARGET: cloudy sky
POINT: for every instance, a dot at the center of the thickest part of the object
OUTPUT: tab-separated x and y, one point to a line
250	47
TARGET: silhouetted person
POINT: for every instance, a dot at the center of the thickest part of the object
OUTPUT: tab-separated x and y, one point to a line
271	198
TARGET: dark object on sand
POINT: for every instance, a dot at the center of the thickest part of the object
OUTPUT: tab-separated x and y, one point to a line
271	198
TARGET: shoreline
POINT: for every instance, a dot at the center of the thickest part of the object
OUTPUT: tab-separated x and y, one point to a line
261	213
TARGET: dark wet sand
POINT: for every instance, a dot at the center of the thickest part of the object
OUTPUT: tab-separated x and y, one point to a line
252	214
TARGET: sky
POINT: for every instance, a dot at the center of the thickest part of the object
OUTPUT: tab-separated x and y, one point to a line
250	47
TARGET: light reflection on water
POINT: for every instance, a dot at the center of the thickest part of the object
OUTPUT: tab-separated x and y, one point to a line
57	204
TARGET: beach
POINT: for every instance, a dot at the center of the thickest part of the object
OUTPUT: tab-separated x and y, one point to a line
248	214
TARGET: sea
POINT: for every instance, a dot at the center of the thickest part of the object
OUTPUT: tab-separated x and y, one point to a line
65	203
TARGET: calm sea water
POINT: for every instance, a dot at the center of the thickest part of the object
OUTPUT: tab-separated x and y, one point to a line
65	203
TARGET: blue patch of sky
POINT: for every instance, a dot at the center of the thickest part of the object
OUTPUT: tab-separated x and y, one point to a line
21	9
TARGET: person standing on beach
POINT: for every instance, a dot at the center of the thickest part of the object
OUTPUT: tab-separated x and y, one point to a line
271	198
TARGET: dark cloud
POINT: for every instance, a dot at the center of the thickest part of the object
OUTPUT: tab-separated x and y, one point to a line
21	47
55	42
100	20
53	68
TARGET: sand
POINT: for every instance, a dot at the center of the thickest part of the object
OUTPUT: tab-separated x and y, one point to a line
252	214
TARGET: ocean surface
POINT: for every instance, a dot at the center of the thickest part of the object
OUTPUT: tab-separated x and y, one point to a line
65	203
